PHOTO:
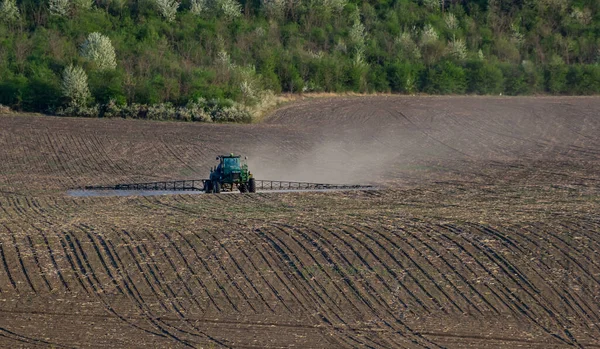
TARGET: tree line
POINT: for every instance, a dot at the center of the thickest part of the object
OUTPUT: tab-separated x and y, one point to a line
225	60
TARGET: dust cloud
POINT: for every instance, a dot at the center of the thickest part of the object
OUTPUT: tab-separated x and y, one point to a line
366	156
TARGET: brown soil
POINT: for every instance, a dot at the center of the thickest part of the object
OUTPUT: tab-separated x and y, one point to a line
486	235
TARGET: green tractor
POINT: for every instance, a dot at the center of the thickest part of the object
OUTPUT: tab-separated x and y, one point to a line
231	173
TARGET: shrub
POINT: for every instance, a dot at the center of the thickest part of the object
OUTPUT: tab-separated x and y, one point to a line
110	109
484	78
196	110
4	109
357	34
11	91
556	76
402	76
444	78
514	80
583	79
235	113
42	93
161	111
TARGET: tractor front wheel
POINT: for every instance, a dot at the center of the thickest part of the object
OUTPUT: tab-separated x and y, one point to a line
252	185
208	187
216	187
243	188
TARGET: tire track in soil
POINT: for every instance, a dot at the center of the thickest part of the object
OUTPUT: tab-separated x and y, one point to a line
316	297
139	301
20	258
523	282
568	256
97	287
163	251
451	268
367	285
212	277
195	275
222	266
409	273
573	302
180	309
288	285
514	298
259	272
6	333
440	272
241	271
344	278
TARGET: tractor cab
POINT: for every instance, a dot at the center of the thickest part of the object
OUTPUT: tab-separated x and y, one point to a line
231	172
230	167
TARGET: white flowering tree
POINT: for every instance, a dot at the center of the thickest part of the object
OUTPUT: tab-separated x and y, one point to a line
229	8
98	49
198	7
407	46
74	86
167	9
59	8
9	11
451	21
429	35
357	34
457	49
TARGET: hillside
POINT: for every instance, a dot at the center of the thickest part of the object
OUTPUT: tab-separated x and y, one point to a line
223	59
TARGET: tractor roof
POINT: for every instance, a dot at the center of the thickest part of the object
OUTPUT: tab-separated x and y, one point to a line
230	156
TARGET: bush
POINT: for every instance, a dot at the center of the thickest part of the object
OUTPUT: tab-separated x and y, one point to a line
583	79
403	76
234	113
41	94
11	91
556	76
444	78
484	78
514	80
106	86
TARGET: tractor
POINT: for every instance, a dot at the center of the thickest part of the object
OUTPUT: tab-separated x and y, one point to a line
231	173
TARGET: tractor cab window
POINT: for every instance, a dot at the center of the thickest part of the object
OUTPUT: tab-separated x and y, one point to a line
231	162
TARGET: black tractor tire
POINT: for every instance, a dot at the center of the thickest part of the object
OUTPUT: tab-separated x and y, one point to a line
208	187
243	188
216	187
252	185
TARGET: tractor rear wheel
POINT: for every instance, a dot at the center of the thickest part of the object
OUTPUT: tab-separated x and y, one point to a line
216	187
243	188
252	185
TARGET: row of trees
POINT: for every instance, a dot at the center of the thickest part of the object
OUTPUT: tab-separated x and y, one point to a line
224	60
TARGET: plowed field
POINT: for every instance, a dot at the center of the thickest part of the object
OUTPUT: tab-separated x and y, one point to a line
487	234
